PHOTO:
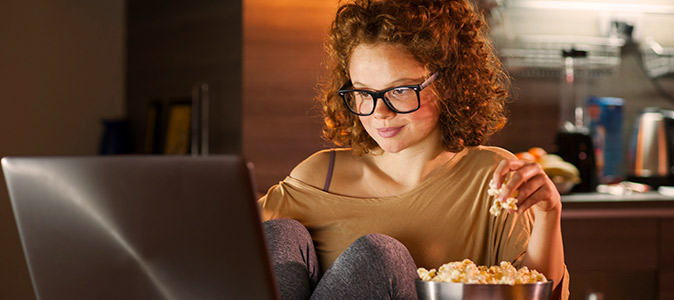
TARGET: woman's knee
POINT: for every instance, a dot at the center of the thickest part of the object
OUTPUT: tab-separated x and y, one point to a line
284	228
375	266
383	248
379	241
284	222
293	257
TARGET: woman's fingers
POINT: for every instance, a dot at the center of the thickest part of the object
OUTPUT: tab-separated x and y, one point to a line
532	193
520	173
543	198
505	167
533	186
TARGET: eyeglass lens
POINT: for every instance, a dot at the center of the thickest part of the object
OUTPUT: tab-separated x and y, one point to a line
403	99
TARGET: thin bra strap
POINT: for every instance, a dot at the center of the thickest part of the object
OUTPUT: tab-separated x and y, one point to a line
331	167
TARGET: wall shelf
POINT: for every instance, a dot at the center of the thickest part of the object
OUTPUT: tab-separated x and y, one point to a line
541	56
658	61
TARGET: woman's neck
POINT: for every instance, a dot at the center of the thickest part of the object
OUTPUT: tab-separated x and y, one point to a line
411	166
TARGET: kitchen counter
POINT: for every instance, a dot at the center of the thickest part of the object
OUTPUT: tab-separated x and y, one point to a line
619	247
603	197
599	205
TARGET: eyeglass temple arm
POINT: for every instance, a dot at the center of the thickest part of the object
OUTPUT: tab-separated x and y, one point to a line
428	81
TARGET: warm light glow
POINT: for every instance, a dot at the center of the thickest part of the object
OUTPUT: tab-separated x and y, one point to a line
593	6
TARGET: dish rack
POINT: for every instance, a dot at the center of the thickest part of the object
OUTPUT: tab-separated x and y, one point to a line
542	56
658	61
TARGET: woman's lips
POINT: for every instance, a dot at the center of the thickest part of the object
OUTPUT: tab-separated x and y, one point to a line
388	132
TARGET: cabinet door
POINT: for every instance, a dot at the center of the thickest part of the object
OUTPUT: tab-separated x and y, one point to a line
667	259
613	258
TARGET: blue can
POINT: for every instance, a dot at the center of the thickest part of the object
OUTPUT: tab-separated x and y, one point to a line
606	123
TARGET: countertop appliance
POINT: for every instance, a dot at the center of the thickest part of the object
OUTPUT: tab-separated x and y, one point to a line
651	149
573	140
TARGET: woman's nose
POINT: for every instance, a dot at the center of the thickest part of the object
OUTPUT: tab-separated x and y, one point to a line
381	110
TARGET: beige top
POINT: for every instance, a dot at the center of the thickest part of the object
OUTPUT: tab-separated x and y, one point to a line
445	218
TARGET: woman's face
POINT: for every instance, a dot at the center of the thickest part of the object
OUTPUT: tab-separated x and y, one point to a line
380	66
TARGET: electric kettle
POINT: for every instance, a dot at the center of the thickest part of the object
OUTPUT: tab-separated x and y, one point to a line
650	150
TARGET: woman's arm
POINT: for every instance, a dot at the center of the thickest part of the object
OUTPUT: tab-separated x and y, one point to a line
545	252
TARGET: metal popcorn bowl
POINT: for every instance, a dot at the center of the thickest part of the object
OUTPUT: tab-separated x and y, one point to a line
428	290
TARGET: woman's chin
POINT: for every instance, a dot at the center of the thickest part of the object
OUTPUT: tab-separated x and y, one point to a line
391	148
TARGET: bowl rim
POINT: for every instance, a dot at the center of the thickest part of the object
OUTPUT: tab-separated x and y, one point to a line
550	281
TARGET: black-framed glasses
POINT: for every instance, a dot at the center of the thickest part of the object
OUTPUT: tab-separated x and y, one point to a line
401	99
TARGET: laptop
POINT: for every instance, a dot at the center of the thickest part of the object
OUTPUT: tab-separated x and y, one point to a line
140	227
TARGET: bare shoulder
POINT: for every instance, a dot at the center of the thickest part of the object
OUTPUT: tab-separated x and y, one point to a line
496	153
313	170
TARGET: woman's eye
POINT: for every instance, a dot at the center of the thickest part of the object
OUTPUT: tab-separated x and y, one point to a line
363	94
401	91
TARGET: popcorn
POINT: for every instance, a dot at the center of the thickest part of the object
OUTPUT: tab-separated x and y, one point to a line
467	272
497	207
426	274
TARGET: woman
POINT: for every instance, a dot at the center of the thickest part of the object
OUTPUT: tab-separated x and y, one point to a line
415	89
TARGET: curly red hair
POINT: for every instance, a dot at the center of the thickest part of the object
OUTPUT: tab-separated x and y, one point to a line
448	37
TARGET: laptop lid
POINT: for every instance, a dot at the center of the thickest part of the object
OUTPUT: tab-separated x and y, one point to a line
140	227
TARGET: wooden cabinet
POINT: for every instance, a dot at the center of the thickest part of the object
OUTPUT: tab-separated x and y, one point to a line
666	274
619	248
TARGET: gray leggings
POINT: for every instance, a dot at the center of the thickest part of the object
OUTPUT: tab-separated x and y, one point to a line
375	266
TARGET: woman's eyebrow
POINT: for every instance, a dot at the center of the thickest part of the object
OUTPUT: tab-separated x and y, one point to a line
397	82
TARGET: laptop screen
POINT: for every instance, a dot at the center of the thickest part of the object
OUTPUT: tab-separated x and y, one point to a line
140	227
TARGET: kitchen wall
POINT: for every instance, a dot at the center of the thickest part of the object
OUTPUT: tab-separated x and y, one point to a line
584	18
282	55
534	111
61	74
536	103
